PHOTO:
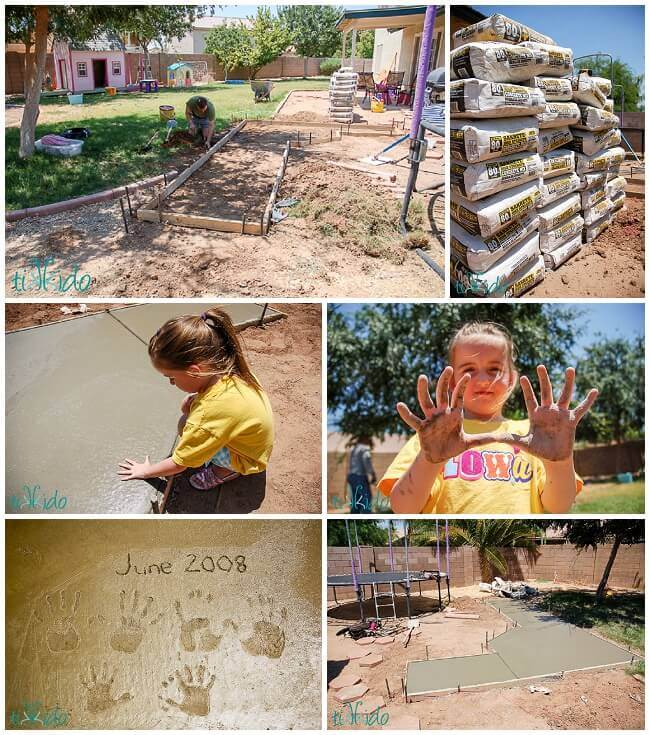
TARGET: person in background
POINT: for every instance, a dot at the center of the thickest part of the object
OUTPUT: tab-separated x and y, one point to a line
361	474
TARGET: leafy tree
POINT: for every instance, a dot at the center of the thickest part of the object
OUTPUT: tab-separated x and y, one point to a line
230	44
616	367
312	28
31	24
375	356
370	533
366	44
622	75
585	534
267	40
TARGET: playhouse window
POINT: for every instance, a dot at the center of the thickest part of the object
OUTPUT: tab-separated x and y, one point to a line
117	68
82	69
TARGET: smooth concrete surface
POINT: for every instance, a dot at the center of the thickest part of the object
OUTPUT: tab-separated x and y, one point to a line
424	677
539	646
554	648
82	396
146	319
102	614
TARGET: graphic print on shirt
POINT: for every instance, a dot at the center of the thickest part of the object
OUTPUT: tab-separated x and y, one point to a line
489	464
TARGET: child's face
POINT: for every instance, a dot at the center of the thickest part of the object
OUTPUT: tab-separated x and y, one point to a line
485	358
190	380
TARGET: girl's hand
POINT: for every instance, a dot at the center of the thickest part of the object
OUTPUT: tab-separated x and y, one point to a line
552	425
187	403
134	470
441	431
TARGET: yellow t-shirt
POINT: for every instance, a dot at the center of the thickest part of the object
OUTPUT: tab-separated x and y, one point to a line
228	414
493	478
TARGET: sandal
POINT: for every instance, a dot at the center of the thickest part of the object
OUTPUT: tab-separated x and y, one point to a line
206	479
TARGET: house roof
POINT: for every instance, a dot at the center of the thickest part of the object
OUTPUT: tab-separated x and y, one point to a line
397	16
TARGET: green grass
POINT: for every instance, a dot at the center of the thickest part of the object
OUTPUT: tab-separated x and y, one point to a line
611	498
119	126
619	617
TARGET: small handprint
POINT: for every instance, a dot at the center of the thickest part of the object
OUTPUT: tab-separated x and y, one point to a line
194	689
195	632
61	634
128	637
268	637
99	697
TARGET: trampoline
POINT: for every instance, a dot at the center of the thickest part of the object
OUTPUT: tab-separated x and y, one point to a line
402	579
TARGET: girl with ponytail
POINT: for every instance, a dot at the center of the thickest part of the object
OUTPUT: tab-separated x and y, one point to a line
226	426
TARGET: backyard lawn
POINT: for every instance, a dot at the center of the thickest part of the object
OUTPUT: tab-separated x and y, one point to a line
119	127
619	617
611	498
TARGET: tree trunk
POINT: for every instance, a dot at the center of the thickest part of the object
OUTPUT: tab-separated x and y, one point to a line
34	73
600	592
484	564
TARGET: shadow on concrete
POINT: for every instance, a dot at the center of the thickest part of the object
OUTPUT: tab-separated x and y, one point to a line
243	495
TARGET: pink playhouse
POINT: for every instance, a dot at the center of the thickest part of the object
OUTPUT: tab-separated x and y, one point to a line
95	66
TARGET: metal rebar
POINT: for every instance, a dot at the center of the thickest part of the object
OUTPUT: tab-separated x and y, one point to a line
128	200
165	179
126	225
390	696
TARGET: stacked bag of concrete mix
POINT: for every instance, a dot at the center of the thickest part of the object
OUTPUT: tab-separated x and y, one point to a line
502	128
596	142
342	94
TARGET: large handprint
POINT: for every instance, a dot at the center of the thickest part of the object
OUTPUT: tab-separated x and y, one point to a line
441	431
552	425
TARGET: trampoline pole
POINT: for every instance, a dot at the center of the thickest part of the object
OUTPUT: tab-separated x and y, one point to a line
438	544
356	535
390	547
408	579
354	575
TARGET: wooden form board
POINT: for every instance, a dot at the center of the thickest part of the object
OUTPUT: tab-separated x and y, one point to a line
353	129
243	226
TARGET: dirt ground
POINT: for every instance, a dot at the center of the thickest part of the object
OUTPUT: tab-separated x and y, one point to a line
354	252
608	705
286	357
612	266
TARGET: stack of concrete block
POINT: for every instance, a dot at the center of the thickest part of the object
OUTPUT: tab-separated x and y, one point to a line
502	133
596	142
342	95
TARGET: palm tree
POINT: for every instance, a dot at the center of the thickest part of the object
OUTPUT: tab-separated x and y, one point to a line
490	536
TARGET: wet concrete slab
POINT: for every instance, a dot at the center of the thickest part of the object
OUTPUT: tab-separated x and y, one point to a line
146	319
424	677
555	648
540	645
81	396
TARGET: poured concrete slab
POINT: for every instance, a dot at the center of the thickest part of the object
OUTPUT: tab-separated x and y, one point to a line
523	613
146	621
81	396
541	645
146	319
445	674
555	648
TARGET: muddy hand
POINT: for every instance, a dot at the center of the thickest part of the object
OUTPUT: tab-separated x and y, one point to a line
552	424
441	430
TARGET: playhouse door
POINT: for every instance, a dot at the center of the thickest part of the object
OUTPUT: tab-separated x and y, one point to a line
99	73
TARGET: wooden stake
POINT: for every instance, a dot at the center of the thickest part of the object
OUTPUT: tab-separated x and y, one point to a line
159	209
243	223
427	650
126	225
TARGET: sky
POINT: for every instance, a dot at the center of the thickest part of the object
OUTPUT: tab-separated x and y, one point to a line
613	29
610	319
